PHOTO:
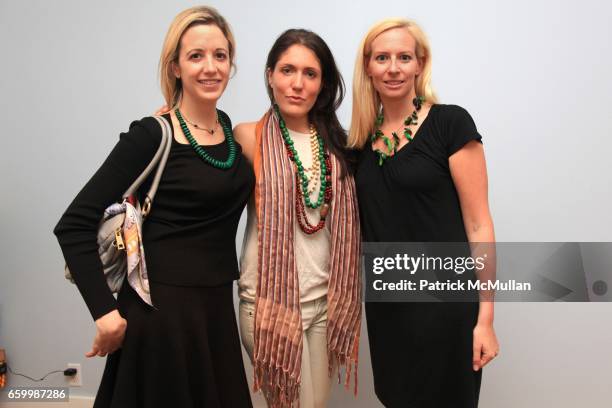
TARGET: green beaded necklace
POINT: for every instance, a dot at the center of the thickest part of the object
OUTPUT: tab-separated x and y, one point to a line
223	165
392	147
293	155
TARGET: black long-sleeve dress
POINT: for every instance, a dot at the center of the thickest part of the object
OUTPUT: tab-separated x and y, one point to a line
185	352
421	352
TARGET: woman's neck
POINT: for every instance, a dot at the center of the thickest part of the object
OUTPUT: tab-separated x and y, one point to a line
297	124
204	115
396	110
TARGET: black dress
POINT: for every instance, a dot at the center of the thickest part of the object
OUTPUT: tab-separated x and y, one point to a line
421	352
185	352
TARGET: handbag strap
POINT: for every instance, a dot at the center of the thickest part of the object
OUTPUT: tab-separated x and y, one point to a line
159	159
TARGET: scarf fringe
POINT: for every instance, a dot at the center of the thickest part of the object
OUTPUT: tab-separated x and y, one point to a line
350	363
280	388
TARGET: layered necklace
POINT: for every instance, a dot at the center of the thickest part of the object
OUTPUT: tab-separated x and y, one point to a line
321	168
204	155
412	119
209	130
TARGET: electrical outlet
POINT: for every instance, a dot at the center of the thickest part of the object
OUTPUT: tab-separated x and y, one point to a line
77	379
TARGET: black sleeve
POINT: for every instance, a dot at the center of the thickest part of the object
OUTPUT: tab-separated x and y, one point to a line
460	129
77	230
225	119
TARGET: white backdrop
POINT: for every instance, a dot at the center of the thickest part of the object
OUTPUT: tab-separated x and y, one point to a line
533	74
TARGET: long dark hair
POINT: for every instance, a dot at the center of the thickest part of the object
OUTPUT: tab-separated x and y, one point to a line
323	113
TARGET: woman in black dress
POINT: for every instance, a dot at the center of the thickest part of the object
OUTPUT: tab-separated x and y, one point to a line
184	351
421	178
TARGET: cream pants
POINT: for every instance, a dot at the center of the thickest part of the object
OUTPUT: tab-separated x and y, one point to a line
315	387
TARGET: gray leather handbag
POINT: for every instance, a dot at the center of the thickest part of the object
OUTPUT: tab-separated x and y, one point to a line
111	247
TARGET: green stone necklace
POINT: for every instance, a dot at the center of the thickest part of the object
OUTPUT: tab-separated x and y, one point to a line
392	146
293	156
223	165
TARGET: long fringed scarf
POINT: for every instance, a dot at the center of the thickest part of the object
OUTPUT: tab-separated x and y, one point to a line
278	320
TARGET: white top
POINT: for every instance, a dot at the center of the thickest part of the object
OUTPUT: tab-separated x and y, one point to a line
311	251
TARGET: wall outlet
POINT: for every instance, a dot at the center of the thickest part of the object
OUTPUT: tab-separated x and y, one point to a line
77	379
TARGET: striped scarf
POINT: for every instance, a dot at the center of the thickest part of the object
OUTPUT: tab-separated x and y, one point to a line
278	320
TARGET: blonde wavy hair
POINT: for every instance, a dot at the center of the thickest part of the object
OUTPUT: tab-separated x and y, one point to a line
366	102
170	85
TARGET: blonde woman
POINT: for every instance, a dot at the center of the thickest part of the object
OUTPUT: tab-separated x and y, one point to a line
184	351
421	178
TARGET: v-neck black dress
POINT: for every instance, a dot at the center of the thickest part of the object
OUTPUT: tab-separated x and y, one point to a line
421	352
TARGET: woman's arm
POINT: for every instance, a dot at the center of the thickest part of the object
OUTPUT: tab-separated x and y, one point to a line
469	173
77	229
244	133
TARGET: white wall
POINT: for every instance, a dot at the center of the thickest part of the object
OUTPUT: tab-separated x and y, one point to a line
533	74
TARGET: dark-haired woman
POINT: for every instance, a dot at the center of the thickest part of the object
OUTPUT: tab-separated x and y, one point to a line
177	344
300	288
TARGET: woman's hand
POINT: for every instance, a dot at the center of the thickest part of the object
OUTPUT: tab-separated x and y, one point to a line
163	109
110	333
485	346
